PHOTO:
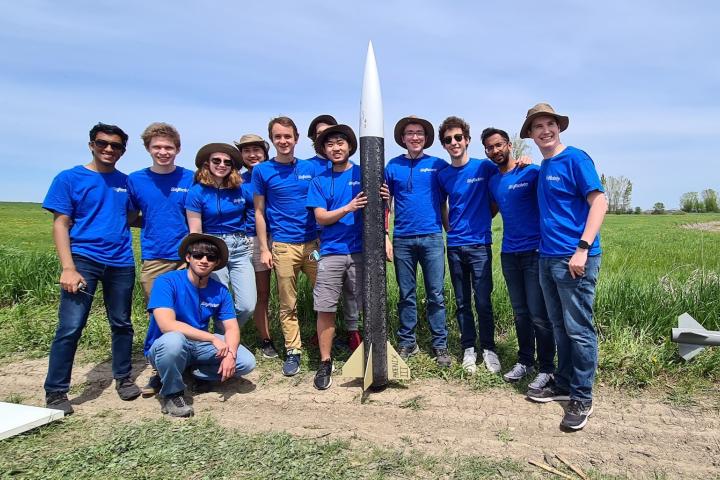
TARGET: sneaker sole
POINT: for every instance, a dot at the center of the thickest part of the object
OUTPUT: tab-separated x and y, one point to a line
291	374
148	393
582	424
265	355
556	398
411	354
328	385
165	412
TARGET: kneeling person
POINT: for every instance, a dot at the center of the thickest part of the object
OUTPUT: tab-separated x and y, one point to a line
181	305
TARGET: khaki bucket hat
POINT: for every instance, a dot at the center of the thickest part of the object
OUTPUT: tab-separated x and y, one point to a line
204	154
542	109
251	139
405	121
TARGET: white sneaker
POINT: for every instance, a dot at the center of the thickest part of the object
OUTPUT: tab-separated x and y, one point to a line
540	381
470	360
492	362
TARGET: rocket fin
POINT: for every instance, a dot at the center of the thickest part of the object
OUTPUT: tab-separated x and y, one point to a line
396	366
368	377
687	321
355	367
688	351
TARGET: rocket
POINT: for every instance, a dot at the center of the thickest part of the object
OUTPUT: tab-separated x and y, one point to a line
375	360
692	337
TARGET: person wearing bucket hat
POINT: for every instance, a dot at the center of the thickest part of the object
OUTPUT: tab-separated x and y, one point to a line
216	205
280	190
417	238
572	208
181	305
253	150
317	125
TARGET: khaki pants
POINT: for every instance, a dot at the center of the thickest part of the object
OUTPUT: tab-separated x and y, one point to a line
289	259
151	269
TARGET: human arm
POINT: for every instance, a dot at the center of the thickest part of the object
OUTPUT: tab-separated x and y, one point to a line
598	207
70	278
261	230
167	322
232	339
325	217
194	220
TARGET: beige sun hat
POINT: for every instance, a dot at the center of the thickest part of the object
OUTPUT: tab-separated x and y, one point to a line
542	109
250	139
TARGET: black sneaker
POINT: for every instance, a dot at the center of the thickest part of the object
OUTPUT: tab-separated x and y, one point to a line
576	414
408	351
175	406
442	357
268	349
153	385
550	393
126	388
59	401
323	377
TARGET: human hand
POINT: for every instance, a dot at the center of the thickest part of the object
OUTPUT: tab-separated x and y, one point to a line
385	192
266	258
577	262
524	161
227	367
356	203
388	249
221	346
71	281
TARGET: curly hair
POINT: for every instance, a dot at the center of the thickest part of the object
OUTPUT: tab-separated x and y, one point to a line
204	177
453	122
160	129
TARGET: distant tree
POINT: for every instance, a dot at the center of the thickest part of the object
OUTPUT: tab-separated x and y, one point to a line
618	191
710	200
627	197
519	147
603	181
638	210
658	208
690	202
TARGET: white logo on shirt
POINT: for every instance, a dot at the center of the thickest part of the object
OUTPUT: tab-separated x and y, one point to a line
518	185
209	305
475	179
353	183
238	200
425	170
552	178
179	189
120	190
304	177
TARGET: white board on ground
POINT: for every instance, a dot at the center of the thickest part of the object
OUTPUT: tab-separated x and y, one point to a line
16	418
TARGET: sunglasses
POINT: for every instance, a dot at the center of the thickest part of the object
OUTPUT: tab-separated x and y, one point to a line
218	161
103	144
457	137
211	257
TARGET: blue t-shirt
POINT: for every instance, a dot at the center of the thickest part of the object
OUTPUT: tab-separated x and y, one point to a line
192	305
416	192
222	209
98	204
247	190
564	183
469	212
321	164
332	190
285	187
161	199
515	194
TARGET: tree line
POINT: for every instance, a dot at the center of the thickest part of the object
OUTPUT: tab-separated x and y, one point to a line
618	191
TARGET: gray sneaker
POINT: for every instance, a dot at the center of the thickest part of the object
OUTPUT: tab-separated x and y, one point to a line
176	406
442	357
540	381
58	401
518	372
409	351
126	389
491	360
577	414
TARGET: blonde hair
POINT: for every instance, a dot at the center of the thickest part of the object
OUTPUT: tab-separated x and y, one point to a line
204	177
160	129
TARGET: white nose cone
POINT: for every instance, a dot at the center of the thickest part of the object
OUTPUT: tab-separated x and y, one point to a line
371	111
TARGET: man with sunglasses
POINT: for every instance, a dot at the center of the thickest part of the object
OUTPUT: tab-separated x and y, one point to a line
182	303
92	211
514	192
417	236
159	192
469	240
280	191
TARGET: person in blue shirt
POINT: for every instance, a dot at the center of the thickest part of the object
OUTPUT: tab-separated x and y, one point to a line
280	187
158	192
572	209
514	194
317	125
253	150
91	213
182	303
417	235
216	205
469	242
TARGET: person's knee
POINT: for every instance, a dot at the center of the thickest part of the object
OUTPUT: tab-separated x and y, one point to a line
245	361
169	345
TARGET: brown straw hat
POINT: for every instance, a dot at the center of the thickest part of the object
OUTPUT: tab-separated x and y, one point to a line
193	238
343	129
324	118
204	154
538	110
250	139
404	122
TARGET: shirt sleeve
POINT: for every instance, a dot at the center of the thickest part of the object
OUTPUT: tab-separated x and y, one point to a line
59	196
162	294
586	177
388	181
258	182
194	200
226	310
132	194
315	197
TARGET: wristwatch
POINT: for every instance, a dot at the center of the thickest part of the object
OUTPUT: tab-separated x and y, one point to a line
583	245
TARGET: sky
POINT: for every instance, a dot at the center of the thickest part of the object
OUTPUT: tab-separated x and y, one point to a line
639	80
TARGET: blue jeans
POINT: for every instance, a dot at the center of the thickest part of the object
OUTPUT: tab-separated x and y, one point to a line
118	284
172	353
471	271
239	275
428	250
569	304
531	319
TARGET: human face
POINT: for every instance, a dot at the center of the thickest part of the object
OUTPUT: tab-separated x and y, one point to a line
545	132
163	151
252	155
414	138
337	149
203	266
456	148
283	138
220	165
498	149
108	155
320	127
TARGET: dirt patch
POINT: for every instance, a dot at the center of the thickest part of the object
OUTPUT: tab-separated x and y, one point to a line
636	437
705	227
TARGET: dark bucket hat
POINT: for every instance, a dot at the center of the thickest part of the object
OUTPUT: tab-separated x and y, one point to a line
343	129
194	238
203	154
404	122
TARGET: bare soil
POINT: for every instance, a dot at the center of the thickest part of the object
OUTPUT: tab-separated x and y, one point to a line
636	436
706	227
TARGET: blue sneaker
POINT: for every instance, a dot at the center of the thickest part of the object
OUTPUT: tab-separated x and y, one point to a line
292	363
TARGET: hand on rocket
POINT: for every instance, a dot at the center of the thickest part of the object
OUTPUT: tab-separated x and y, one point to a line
356	203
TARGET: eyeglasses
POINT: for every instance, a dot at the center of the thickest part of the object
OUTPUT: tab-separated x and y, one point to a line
217	161
103	144
211	257
457	137
419	133
497	146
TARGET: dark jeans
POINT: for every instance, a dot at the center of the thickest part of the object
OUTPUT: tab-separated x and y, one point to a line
531	319
118	284
569	304
471	271
428	251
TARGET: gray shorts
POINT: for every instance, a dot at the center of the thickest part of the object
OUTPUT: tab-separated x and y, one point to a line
338	274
